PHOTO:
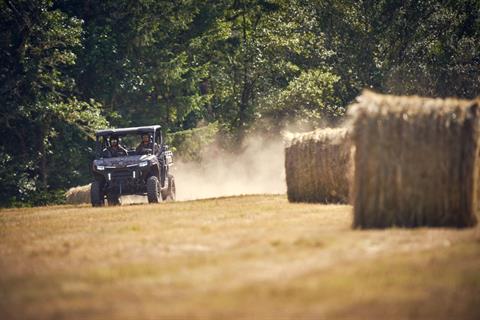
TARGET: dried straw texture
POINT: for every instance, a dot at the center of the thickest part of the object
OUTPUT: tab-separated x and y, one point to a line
416	161
317	166
78	195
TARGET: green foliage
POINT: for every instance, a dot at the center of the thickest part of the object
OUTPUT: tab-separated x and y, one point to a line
189	145
309	98
16	184
39	104
437	53
136	62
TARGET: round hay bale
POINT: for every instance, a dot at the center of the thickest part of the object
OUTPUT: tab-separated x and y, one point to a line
317	166
78	195
416	161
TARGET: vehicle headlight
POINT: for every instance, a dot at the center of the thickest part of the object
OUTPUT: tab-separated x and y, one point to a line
143	164
100	168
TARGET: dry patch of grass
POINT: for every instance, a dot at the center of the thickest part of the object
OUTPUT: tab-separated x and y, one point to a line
251	256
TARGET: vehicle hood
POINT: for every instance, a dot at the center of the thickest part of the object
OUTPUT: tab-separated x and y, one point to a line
122	162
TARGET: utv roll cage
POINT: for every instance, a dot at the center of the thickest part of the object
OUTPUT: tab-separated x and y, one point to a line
102	142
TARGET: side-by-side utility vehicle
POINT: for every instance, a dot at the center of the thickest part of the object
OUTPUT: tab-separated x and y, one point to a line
131	161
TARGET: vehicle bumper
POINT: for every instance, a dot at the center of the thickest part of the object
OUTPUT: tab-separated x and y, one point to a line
126	181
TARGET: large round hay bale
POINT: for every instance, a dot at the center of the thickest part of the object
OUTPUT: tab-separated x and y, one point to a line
317	166
78	195
416	161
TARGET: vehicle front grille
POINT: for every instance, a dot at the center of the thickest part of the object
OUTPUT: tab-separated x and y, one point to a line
124	174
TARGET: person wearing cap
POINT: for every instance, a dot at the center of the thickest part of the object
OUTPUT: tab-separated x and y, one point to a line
115	149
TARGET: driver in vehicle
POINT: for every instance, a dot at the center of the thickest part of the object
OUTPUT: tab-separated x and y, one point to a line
115	149
146	145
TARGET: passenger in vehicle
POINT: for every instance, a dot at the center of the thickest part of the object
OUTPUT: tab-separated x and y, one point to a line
146	145
115	149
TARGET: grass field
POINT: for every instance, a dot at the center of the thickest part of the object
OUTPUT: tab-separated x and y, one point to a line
239	257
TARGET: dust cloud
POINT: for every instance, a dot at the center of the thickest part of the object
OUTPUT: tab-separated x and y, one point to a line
257	169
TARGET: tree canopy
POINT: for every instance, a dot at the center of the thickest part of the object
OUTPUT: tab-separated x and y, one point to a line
68	67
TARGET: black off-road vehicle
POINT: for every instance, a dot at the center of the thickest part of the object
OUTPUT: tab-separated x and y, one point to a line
136	171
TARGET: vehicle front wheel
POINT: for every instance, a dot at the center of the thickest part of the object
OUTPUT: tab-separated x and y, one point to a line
96	194
113	199
153	190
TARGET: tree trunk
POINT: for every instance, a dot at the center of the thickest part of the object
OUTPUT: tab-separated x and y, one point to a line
43	168
243	107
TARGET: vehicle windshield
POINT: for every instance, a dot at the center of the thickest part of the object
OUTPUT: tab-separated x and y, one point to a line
134	143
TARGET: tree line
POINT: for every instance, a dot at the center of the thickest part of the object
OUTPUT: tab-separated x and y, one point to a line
69	67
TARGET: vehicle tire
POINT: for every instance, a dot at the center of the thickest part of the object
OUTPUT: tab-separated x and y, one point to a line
171	192
154	194
96	194
113	199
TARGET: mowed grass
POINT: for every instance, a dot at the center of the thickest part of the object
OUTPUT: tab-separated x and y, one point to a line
239	257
